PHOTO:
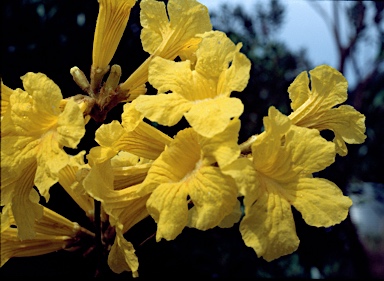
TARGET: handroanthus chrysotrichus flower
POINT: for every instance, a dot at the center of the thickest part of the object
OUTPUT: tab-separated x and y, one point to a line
314	107
201	92
168	31
189	172
279	175
34	130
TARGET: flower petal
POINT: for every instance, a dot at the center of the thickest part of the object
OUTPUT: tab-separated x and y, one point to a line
168	37
165	109
110	25
320	202
212	116
122	255
268	227
214	196
168	207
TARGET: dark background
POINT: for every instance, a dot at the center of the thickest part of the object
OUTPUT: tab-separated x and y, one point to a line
51	37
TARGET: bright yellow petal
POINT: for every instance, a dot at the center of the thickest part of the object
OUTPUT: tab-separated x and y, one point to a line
72	183
155	23
26	209
131	117
233	217
6	92
51	158
320	202
218	56
165	109
122	255
70	125
128	173
236	77
223	147
268	227
214	196
348	125
111	22
212	116
166	75
166	36
214	54
299	91
168	207
144	141
245	176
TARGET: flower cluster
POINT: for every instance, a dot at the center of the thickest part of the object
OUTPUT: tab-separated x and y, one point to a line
193	179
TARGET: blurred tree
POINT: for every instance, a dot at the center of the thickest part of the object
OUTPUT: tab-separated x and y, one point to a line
364	25
274	66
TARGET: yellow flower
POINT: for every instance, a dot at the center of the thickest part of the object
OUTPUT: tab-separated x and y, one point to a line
144	141
187	173
280	176
202	94
168	33
314	107
114	183
34	131
111	23
53	233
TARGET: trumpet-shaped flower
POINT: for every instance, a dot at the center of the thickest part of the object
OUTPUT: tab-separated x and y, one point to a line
115	187
34	131
53	233
141	139
280	176
111	23
114	183
200	94
168	33
314	107
186	172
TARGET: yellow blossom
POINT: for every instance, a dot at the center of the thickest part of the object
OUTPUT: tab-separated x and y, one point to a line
114	183
53	233
34	131
168	32
118	200
145	141
314	107
187	173
280	176
111	23
200	94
